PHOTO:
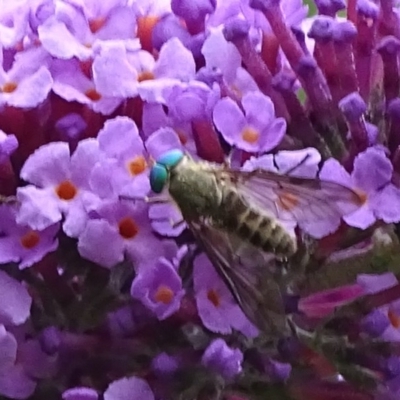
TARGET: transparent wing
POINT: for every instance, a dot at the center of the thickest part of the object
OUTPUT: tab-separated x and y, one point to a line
248	278
294	199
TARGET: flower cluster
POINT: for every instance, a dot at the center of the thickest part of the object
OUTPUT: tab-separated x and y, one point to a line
106	292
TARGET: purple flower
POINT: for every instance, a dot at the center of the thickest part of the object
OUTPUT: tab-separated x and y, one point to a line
22	361
15	301
28	82
21	243
161	141
155	118
80	393
375	323
371	177
216	306
277	371
73	29
123	170
114	55
14	382
194	13
71	128
237	79
164	364
175	61
60	182
13	23
8	144
132	388
388	330
159	288
166	219
174	65
71	84
224	56
223	359
119	229
121	323
255	130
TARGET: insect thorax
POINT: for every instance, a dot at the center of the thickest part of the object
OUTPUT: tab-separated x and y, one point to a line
195	189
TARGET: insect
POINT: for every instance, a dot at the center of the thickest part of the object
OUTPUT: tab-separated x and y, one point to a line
227	208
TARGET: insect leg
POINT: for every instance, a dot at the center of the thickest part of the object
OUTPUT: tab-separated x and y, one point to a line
299	164
150	200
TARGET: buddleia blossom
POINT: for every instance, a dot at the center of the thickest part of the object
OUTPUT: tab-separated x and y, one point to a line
217	308
105	291
223	359
59	182
21	244
253	132
159	288
137	387
19	353
382	321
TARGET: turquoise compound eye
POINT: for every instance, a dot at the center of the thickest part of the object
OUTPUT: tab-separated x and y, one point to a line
171	158
158	178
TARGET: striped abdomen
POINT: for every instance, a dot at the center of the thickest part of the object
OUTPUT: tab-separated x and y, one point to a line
256	226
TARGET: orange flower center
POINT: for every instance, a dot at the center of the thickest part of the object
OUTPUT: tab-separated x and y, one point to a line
362	196
137	165
128	228
66	190
394	319
182	136
145	76
250	135
86	67
93	94
30	239
96	24
145	27
212	295
9	87
164	294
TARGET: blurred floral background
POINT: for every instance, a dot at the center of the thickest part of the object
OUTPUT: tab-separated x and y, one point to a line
104	293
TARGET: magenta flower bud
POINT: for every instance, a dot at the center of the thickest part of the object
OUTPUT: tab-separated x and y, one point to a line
391	367
236	29
322	28
344	32
301	38
393	111
262	5
353	106
389	48
330	7
367	9
388	45
375	323
277	371
168	27
193	12
284	81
